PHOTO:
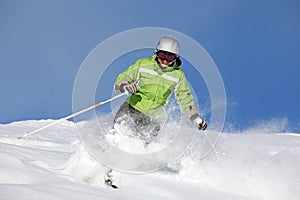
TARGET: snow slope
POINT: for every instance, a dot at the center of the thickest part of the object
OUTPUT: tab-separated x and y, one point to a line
54	165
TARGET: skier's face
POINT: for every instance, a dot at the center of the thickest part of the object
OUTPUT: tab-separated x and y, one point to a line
165	59
164	63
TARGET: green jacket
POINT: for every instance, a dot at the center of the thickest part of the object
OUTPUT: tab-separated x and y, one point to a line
156	86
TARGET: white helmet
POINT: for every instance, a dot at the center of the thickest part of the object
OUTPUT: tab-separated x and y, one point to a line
168	44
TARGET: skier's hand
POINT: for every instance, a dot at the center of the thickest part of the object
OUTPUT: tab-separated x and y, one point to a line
129	88
199	122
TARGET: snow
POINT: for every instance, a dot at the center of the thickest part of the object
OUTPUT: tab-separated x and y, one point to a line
53	164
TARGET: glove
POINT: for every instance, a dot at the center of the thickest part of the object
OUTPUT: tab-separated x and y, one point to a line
129	88
199	122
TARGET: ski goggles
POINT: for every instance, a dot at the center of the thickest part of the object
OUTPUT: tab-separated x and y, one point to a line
163	55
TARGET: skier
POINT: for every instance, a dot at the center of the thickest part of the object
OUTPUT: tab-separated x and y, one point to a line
151	81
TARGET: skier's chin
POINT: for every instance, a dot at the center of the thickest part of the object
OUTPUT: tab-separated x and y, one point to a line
163	65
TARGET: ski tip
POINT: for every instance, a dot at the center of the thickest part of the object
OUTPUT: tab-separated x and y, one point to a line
114	186
109	183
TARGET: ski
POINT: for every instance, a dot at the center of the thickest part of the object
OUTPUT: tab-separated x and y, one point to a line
109	180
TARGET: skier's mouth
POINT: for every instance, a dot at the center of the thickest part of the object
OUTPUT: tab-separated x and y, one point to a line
164	63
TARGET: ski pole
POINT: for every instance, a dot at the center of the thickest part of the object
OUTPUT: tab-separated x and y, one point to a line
72	115
211	145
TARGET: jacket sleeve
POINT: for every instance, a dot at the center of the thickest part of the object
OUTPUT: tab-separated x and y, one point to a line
185	98
129	76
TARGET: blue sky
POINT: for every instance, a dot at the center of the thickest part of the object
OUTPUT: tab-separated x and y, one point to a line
255	45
